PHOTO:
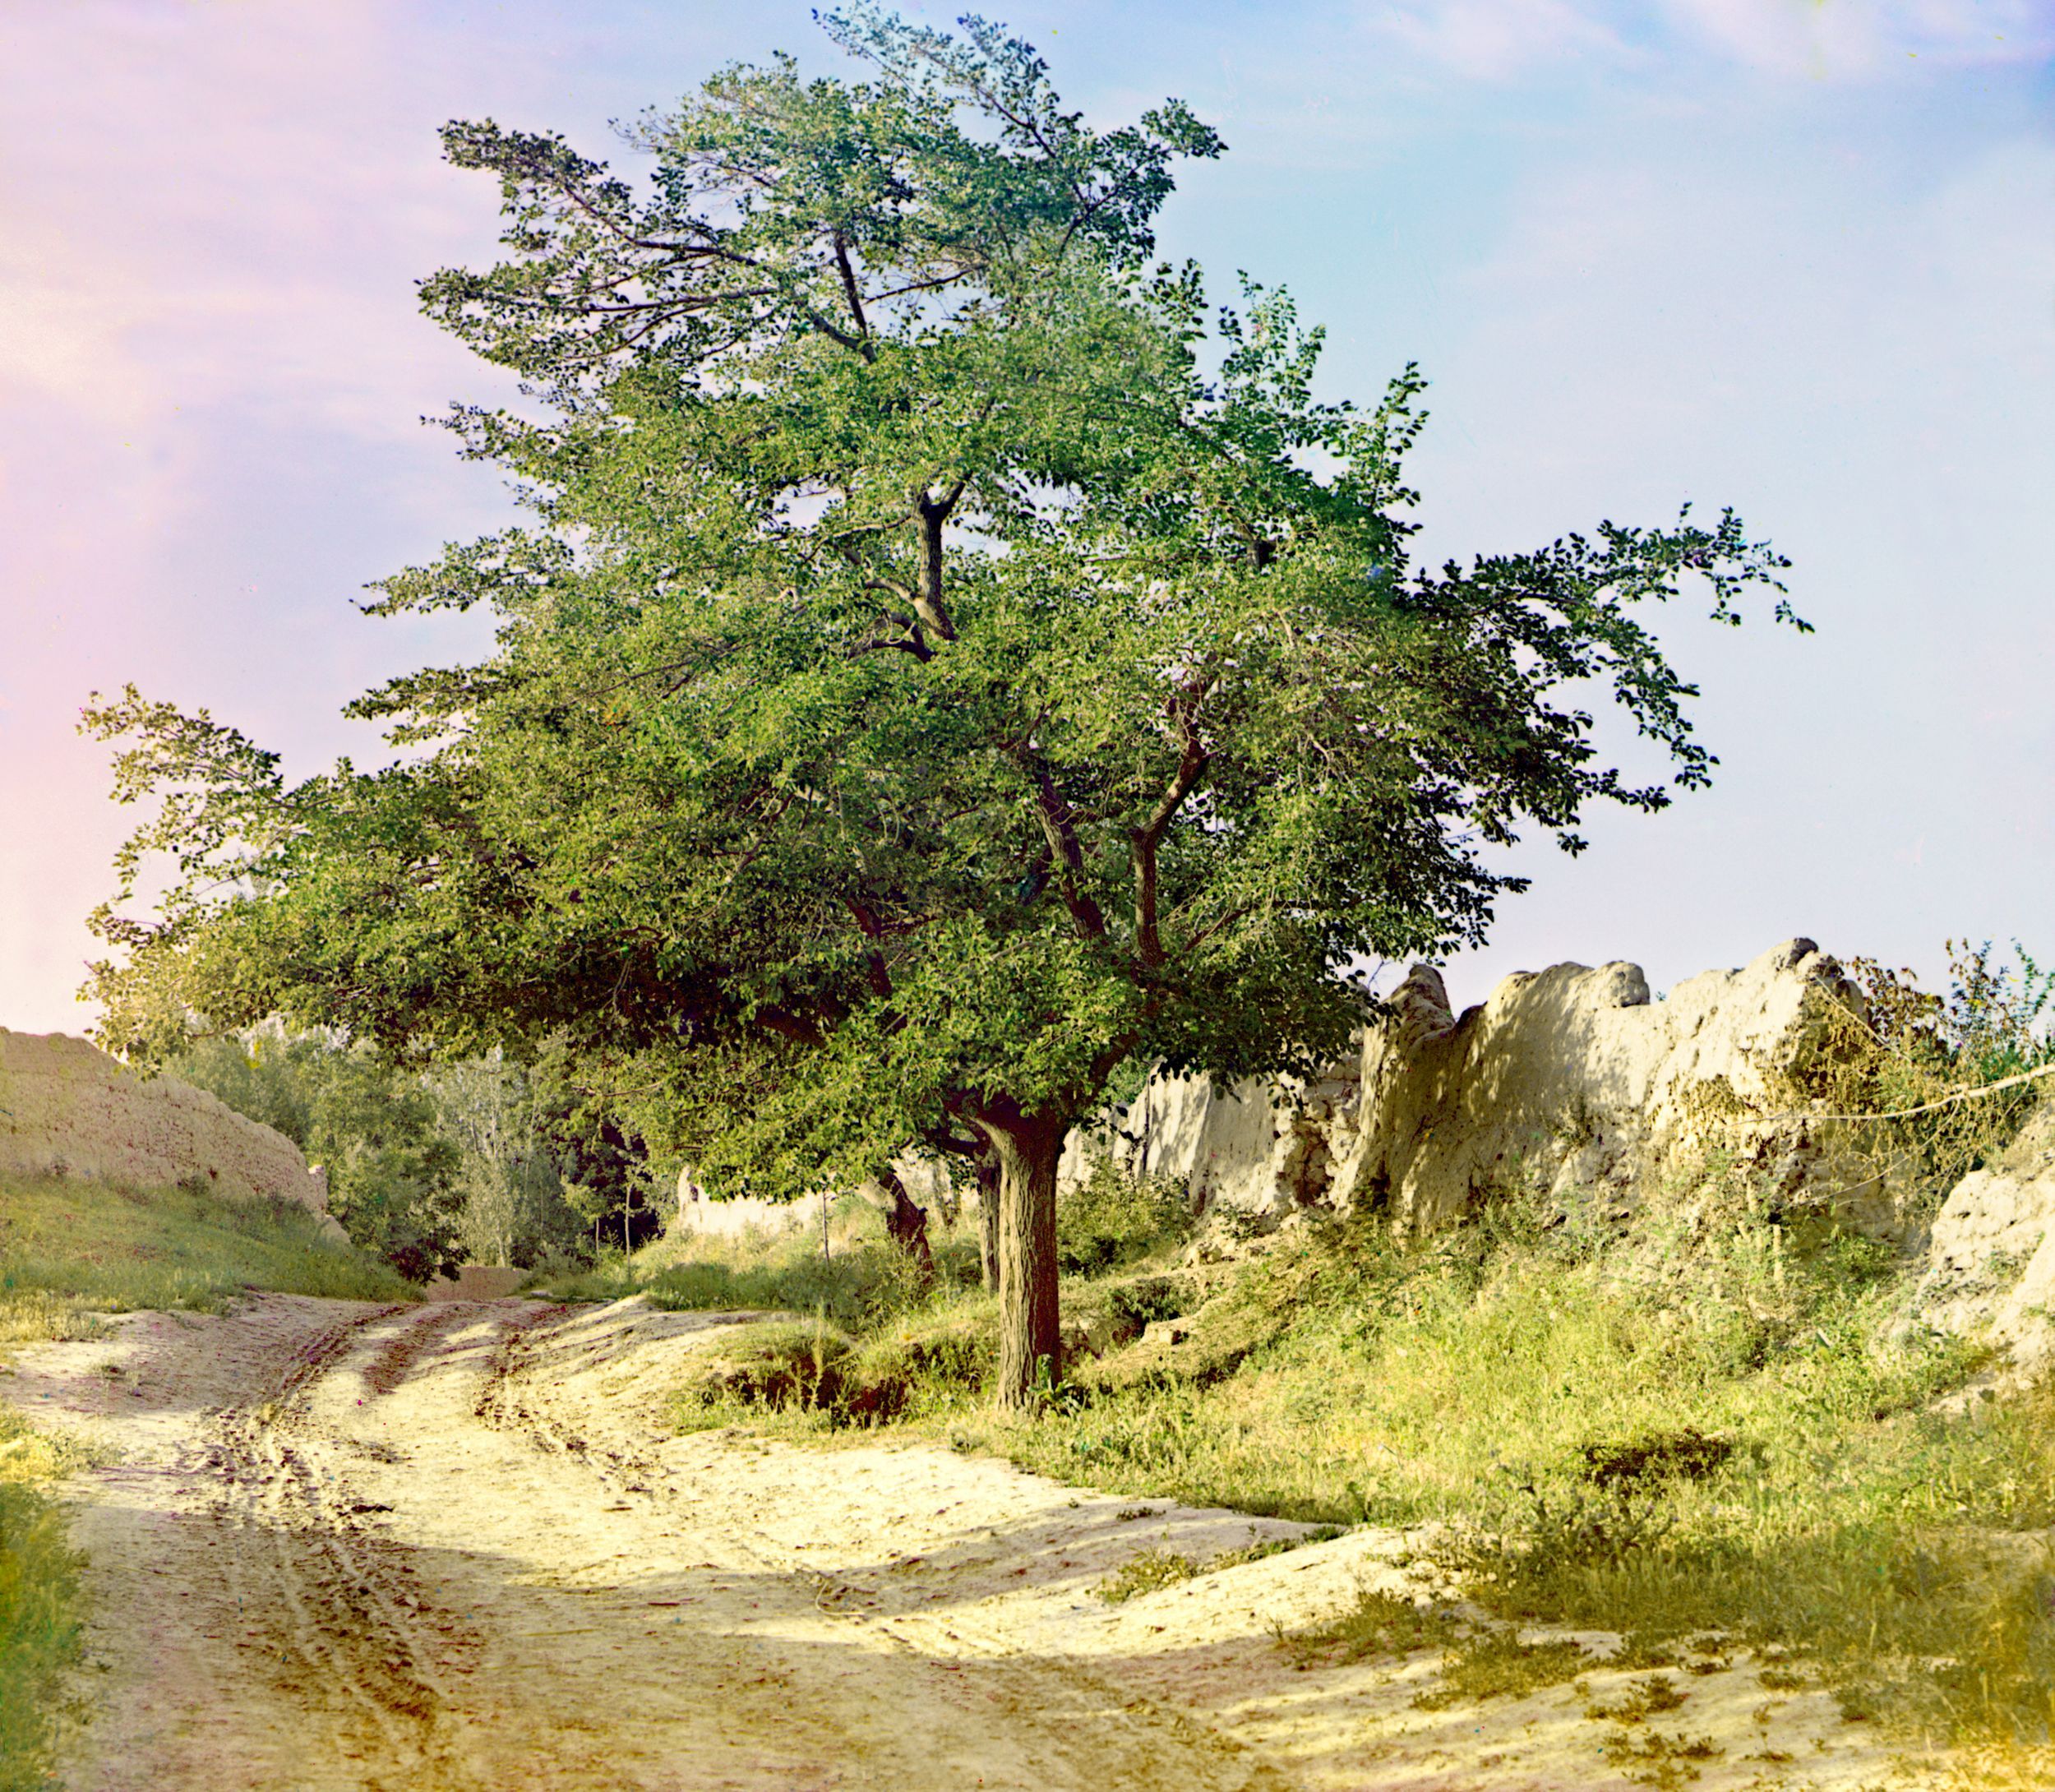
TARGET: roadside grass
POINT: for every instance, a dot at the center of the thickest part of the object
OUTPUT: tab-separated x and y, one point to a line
40	1606
71	1251
1701	1424
71	1247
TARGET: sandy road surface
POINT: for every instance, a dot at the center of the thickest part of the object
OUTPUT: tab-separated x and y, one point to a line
340	1546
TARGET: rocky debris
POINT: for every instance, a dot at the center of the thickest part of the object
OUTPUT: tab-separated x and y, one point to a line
1991	1261
67	1108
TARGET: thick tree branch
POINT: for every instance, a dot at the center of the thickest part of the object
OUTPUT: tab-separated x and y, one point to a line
927	600
1144	840
855	294
867	924
1059	827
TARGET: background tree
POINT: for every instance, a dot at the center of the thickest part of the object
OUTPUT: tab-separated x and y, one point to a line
393	1173
947	661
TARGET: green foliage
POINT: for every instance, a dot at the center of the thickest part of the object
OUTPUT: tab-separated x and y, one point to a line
1898	1047
1111	1219
947	658
392	1171
512	1209
428	1169
40	1611
67	1247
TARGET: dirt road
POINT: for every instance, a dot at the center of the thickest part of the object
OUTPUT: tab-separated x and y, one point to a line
451	1547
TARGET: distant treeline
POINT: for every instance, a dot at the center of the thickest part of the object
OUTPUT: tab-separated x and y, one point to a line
486	1160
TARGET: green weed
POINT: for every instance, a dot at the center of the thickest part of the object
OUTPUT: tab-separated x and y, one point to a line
1378	1624
40	1605
1496	1664
1150	1572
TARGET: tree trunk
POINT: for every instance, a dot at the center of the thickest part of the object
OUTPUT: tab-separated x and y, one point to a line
985	1165
1029	1337
907	1225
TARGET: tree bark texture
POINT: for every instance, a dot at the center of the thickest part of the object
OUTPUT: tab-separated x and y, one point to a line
1029	1335
986	1164
906	1224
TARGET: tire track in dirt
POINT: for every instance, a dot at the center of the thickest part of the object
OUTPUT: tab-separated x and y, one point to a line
353	1643
1139	1742
354	1550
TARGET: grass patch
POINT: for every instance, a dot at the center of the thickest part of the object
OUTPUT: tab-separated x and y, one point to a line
68	1248
1704	1426
1155	1569
1150	1572
1378	1625
1496	1664
861	1286
1651	1759
39	1604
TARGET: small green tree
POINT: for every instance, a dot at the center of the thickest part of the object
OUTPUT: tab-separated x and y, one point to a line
947	661
392	1172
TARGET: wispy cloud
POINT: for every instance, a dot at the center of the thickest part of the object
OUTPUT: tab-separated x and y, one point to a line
1835	40
1495	39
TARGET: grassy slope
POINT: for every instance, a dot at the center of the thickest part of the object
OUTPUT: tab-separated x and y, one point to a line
68	1246
1841	1508
68	1251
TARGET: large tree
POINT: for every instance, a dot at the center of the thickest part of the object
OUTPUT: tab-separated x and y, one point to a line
947	660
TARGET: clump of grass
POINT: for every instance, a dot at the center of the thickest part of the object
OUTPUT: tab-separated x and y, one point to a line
40	1605
1651	1759
1379	1624
1647	1697
1150	1572
1155	1569
1496	1664
779	1365
926	1359
34	1315
68	1247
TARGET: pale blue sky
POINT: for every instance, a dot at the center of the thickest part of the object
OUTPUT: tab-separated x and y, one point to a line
1798	256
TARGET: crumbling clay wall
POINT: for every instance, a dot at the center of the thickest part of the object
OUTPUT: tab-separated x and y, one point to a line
1570	1080
1991	1263
68	1108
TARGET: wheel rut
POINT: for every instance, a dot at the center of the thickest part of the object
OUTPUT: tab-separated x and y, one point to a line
376	1549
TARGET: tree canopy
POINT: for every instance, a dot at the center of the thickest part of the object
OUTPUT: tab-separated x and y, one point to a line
946	658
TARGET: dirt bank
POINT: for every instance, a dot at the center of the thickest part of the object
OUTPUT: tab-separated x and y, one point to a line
341	1546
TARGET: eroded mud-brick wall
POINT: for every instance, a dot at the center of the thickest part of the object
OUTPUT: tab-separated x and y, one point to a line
68	1109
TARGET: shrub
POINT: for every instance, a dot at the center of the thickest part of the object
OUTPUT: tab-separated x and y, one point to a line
1111	1219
